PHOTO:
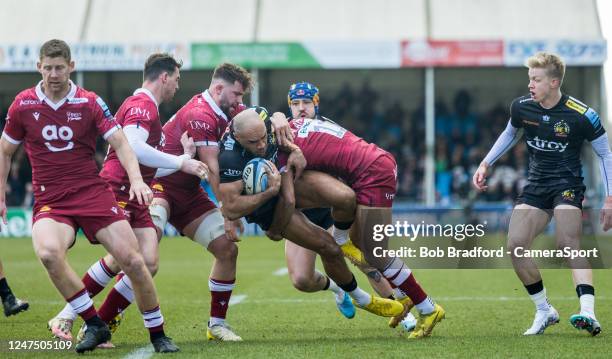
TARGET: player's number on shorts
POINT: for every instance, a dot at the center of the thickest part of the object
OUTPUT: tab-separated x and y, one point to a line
53	133
327	127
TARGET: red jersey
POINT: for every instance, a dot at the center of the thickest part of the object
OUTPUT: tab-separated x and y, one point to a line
60	138
205	122
331	149
139	110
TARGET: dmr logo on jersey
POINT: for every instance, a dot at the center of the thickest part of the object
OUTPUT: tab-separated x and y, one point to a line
547	146
198	125
52	133
137	111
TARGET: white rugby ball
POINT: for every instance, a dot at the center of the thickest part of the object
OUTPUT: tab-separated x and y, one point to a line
254	176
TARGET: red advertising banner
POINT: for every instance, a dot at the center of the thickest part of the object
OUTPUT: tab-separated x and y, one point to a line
421	53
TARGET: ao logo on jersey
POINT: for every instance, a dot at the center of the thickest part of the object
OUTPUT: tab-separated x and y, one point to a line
547	146
53	133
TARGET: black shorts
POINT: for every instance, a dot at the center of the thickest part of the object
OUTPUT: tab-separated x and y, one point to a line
264	215
548	197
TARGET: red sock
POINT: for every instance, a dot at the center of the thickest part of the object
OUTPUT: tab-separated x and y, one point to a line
398	274
220	293
118	299
97	277
82	304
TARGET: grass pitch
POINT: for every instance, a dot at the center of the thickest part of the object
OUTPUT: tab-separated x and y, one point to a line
487	311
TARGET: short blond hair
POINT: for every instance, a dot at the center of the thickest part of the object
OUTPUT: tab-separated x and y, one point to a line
552	63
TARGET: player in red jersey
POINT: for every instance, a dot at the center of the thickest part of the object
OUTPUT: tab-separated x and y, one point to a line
139	117
59	123
371	172
180	199
314	189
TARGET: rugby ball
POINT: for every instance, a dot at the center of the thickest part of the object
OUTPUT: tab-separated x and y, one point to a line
254	176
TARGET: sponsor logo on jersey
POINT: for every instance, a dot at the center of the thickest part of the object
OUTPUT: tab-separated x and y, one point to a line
390	196
122	204
561	129
77	100
199	125
44	209
533	123
568	195
232	173
229	143
547	146
36	115
576	106
73	116
105	110
137	111
545	118
158	187
114	210
29	102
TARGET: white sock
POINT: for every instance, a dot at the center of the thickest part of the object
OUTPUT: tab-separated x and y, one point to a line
540	300
362	298
398	294
426	306
216	321
587	304
334	287
68	313
340	235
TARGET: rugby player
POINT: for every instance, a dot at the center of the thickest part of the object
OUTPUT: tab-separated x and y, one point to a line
371	172
139	118
11	304
250	137
555	125
59	123
303	100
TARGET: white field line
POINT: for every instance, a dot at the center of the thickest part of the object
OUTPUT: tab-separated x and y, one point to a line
141	353
281	272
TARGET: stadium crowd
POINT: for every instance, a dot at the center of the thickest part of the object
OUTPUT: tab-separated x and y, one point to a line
462	139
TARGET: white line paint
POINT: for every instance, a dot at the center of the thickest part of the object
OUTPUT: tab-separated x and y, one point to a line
237	299
140	353
281	272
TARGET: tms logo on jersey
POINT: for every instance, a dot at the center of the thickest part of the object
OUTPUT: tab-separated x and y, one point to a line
547	146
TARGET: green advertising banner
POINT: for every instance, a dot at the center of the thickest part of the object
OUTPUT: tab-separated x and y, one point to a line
260	55
19	223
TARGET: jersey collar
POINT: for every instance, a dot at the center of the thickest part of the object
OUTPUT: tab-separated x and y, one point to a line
148	93
214	105
43	98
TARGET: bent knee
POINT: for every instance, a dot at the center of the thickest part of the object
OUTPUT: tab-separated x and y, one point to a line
224	249
302	282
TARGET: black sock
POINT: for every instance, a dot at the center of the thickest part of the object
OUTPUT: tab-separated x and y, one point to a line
5	290
349	287
535	288
327	282
343	225
94	321
584	289
157	335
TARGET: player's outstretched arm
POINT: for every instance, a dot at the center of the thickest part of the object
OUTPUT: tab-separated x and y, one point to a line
284	207
602	150
154	158
236	205
508	138
7	150
128	160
